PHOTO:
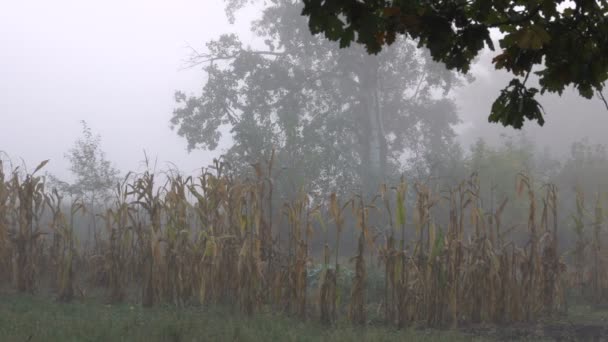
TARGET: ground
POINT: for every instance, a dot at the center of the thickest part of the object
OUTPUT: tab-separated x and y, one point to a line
39	318
32	318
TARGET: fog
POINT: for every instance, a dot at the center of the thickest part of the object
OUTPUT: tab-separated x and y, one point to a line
568	117
117	64
348	181
113	64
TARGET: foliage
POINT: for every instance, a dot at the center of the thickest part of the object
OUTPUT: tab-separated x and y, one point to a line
337	118
94	175
63	249
209	239
498	167
585	168
492	248
534	33
27	202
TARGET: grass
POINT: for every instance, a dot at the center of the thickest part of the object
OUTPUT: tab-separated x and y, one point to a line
32	318
587	314
40	318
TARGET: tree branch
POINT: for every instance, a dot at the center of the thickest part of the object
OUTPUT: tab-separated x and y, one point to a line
422	77
601	96
203	58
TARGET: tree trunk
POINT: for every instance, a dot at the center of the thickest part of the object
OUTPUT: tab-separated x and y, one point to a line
374	145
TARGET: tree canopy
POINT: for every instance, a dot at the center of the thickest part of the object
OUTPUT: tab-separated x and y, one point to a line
334	116
564	42
94	175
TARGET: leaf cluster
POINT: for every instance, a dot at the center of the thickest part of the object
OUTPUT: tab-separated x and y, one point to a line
568	40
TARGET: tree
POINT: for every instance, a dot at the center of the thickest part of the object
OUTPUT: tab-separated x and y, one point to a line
334	116
94	175
566	39
585	169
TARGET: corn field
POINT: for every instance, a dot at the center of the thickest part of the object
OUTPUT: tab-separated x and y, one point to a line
216	238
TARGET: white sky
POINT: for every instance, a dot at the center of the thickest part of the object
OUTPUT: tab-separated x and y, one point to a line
116	64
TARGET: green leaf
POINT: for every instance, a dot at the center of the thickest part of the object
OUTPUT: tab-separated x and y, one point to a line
515	104
531	38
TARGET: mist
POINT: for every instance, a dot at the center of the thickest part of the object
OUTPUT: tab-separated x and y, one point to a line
117	65
215	152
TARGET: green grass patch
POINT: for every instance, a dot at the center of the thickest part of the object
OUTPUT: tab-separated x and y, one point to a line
32	318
